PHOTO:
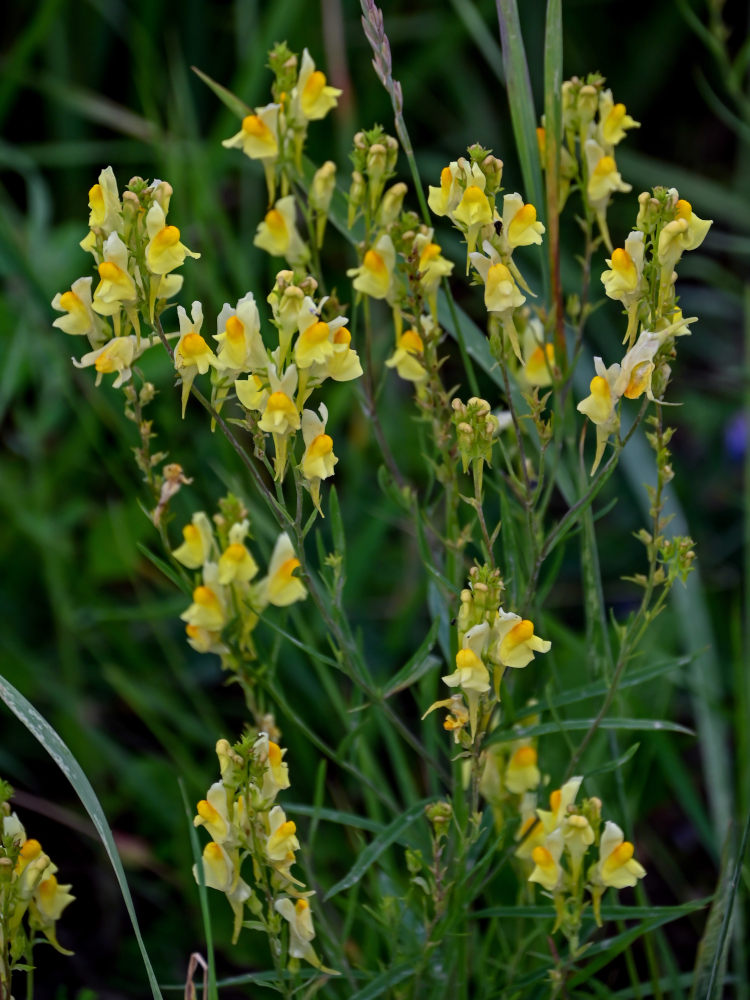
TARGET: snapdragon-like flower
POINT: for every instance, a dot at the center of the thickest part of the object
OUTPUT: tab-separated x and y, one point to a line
614	120
164	251
685	232
116	289
513	640
501	293
116	356
522	773
520	225
79	318
318	460
374	277
624	280
258	137
548	871
600	406
408	356
236	564
198	540
192	355
312	97
278	235
280	587
241	347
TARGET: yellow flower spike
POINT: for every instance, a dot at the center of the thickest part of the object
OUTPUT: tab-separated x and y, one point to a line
522	773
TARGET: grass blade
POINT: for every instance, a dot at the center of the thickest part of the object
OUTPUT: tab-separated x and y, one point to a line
380	844
58	751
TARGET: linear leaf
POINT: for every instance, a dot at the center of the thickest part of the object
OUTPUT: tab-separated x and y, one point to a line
378	846
581	725
378	986
59	752
520	98
235	105
614	912
418	664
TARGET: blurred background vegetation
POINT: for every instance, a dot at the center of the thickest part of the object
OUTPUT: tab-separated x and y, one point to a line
91	632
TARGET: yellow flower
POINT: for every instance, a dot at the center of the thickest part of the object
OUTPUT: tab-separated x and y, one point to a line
220	872
241	346
197	542
501	294
406	359
685	232
312	97
116	287
604	177
513	640
213	813
442	200
531	832
258	137
548	871
105	214
281	840
192	355
236	565
115	356
279	587
314	344
559	800
207	610
616	866
432	265
614	120
578	836
318	460
375	275
472	213
278	233
600	406
344	364
276	774
164	251
522	773
280	415
301	931
80	318
520	225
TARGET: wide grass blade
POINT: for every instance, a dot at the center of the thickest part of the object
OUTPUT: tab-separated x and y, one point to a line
58	751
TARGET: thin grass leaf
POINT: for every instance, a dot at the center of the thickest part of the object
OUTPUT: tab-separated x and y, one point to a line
418	665
171	574
42	731
581	725
520	98
230	100
378	846
613	912
202	894
710	966
617	763
377	987
598	688
474	23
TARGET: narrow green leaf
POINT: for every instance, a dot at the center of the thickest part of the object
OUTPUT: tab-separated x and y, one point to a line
418	664
618	762
596	689
337	523
59	752
614	912
711	961
335	816
380	844
171	574
378	986
235	105
581	725
520	98
202	894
